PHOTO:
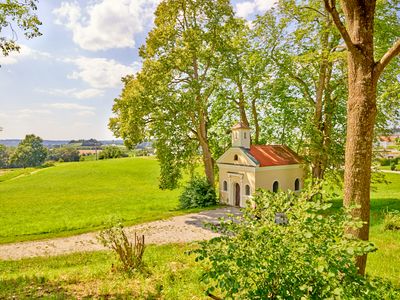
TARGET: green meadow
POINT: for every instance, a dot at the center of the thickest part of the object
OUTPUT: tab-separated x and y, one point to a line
72	198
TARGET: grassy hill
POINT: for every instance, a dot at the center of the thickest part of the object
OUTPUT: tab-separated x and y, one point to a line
77	197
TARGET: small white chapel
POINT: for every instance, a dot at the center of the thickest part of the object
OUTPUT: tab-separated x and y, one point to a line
244	168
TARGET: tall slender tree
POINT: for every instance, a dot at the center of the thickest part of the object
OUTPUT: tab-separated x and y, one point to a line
364	71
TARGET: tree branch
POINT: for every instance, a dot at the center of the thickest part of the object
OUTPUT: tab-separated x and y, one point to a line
386	58
331	8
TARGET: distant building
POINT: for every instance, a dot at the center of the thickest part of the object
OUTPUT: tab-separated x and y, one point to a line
244	168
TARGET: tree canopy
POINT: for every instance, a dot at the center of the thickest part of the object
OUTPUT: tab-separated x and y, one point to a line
17	14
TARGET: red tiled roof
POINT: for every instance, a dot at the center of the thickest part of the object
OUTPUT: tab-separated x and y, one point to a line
274	155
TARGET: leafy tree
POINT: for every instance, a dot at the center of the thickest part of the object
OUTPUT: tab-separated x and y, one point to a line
20	14
364	72
288	247
302	48
66	154
177	84
4	157
29	153
111	152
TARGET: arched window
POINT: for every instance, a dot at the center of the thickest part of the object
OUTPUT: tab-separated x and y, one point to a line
297	185
275	187
247	190
225	186
235	157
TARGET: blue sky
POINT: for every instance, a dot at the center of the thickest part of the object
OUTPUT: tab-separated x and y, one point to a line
62	84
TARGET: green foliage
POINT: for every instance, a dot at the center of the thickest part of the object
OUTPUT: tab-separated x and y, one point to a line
14	13
385	162
29	153
130	255
198	193
172	96
392	220
111	152
393	166
4	157
64	154
310	257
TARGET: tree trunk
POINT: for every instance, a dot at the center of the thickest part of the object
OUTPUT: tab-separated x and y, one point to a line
317	163
255	120
363	75
206	152
361	114
242	104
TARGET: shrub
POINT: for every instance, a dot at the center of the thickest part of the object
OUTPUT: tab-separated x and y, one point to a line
47	164
198	193
288	247
130	255
392	220
385	162
112	152
64	154
393	166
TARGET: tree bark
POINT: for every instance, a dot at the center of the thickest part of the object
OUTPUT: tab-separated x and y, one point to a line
242	104
361	108
255	120
206	152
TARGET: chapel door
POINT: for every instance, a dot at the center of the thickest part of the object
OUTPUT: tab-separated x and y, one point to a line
237	194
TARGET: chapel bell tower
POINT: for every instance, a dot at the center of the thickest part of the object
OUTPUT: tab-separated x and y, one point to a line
241	136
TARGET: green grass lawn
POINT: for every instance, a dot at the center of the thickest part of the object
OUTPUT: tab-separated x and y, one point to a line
169	274
386	261
9	174
78	197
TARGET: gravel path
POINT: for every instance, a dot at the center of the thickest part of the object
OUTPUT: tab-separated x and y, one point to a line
181	229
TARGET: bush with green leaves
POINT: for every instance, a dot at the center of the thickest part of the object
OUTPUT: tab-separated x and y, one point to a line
198	193
4	156
288	246
64	154
392	220
112	152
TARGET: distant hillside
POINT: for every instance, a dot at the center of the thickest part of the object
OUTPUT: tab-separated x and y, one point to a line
49	143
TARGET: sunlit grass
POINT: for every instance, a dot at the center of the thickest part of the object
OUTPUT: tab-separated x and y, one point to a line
71	198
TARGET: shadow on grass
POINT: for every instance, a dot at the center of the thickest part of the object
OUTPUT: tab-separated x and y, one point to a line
31	287
379	207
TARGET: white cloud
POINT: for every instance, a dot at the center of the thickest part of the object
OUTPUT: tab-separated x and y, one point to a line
28	112
85	113
247	8
100	73
73	93
106	24
70	106
24	53
88	93
264	5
